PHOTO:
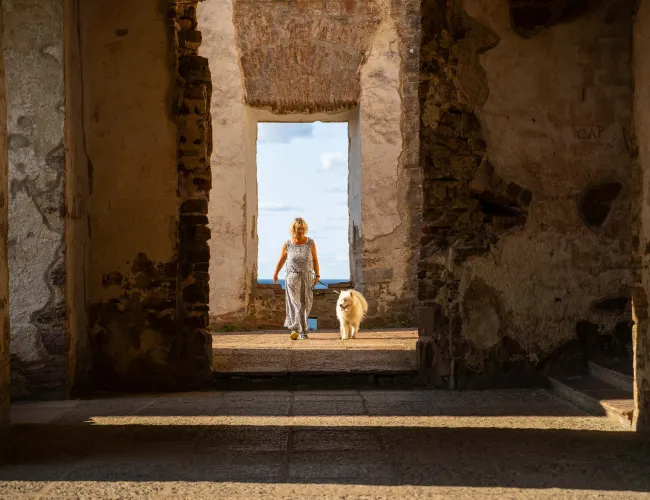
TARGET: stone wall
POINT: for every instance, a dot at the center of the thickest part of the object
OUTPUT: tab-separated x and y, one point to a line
391	194
526	239
145	99
228	272
5	375
33	51
304	57
642	212
191	108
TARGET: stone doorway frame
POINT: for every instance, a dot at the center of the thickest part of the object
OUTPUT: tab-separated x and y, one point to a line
254	116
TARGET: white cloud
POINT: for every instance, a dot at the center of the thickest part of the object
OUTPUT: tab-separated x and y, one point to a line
341	217
276	207
341	189
284	132
333	161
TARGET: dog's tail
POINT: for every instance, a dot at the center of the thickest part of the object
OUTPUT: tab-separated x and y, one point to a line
359	296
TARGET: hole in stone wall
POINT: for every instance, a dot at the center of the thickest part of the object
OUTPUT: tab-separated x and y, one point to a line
596	203
612	304
493	209
302	171
529	17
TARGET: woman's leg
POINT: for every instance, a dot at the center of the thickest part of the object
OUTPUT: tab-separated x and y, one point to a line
306	299
293	304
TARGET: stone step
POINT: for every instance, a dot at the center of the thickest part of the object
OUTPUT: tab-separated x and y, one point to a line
317	380
612	377
596	397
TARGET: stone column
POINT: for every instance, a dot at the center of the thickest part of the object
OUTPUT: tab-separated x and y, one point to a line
192	98
77	189
390	198
227	206
33	51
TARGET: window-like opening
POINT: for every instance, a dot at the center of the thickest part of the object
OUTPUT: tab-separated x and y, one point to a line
302	171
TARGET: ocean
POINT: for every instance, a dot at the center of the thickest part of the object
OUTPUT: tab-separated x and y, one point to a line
318	286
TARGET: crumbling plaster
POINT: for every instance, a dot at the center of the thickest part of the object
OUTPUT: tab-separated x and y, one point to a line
131	143
33	51
390	179
228	281
125	60
551	130
562	128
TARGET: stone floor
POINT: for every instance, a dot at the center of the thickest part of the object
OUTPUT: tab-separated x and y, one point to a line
274	352
356	444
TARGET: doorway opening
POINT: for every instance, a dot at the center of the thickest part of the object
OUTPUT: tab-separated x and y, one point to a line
302	171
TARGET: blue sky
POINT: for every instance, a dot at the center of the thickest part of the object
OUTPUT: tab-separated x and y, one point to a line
302	171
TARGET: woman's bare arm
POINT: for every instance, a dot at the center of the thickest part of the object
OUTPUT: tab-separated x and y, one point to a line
283	259
314	256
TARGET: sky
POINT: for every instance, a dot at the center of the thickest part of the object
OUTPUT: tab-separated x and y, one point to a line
302	171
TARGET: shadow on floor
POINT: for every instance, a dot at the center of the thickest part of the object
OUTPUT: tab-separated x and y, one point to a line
375	455
313	359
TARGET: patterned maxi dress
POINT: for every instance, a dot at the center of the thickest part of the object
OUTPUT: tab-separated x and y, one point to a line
299	284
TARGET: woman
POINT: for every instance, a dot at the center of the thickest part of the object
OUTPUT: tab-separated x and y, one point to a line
302	263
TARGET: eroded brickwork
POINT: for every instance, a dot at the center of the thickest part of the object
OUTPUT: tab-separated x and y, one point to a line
328	40
192	108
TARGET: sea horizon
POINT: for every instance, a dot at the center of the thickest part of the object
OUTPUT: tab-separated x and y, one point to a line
268	281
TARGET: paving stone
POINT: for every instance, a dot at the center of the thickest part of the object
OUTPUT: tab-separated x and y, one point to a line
304	439
353	406
345	466
244	438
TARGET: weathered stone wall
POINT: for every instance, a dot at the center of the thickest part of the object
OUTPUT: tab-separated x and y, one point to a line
33	51
228	276
270	306
642	213
304	57
526	225
5	334
192	98
391	199
144	114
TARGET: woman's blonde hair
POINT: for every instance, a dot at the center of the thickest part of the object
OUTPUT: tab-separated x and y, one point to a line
298	222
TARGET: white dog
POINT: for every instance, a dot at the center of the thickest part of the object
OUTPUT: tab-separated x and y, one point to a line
351	308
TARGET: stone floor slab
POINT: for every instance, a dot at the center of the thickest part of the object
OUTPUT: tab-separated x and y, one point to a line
326	444
274	352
